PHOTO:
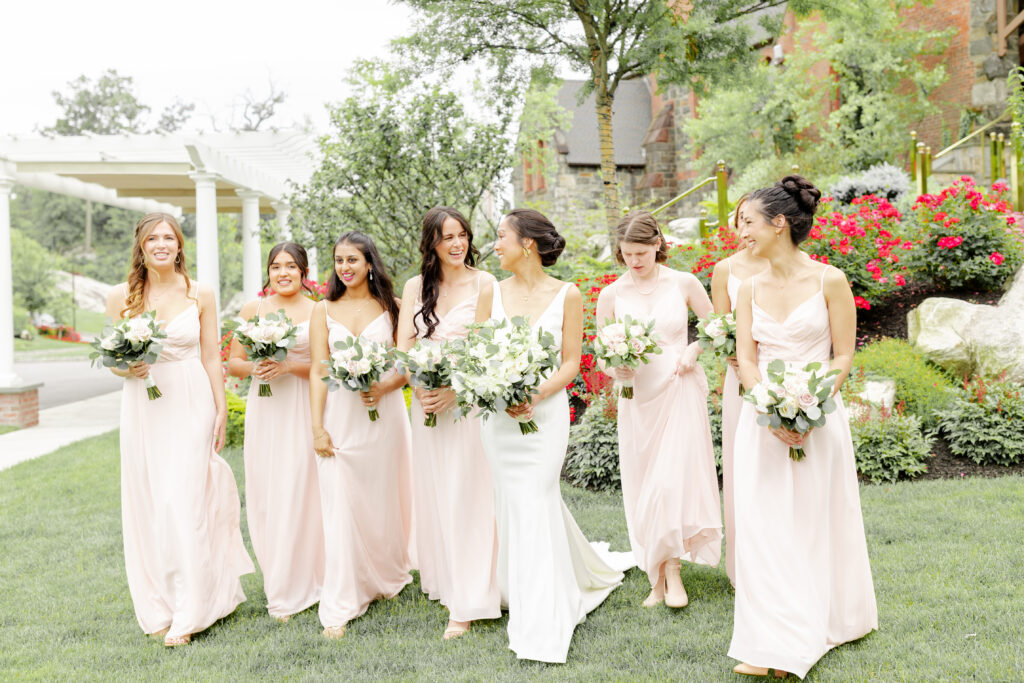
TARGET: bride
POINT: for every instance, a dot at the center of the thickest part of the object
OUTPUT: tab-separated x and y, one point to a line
548	575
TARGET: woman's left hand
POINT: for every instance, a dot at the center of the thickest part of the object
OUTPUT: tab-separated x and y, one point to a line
371	398
788	436
437	401
220	430
269	368
687	361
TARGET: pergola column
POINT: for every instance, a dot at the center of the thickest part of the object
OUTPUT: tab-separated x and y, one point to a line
8	378
282	210
207	251
252	272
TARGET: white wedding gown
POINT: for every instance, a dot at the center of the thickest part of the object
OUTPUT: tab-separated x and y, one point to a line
549	576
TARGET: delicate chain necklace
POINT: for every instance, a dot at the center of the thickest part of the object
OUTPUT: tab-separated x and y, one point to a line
657	276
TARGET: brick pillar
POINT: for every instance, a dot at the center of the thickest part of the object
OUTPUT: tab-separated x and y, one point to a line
19	406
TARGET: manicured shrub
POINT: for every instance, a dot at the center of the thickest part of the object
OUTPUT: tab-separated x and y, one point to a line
236	420
865	241
889	445
592	460
881	180
985	422
920	386
967	238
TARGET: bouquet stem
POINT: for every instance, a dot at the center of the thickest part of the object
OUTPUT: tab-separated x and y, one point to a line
796	453
626	390
528	427
264	389
152	391
372	412
430	420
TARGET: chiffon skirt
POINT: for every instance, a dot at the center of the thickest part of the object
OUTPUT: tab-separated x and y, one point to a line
282	495
456	545
803	580
731	404
180	511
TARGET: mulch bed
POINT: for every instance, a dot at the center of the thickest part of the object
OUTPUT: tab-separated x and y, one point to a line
945	465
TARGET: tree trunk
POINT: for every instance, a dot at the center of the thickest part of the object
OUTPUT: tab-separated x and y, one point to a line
604	131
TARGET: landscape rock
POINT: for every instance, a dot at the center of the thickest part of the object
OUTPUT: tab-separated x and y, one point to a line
938	328
684	230
996	336
881	393
90	295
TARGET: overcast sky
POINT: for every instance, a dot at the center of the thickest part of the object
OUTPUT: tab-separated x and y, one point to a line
208	52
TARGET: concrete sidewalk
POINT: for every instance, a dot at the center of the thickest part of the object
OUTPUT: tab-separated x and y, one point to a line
61	426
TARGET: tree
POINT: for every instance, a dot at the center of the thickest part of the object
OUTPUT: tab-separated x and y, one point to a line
256	111
399	146
34	280
876	89
611	40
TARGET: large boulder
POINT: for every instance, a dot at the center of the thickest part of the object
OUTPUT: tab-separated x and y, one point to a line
90	295
938	328
996	335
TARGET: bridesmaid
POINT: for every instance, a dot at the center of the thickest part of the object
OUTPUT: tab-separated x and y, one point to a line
666	456
803	581
455	537
282	495
180	512
725	284
363	465
548	574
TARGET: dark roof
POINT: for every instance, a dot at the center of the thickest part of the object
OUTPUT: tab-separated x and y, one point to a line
631	116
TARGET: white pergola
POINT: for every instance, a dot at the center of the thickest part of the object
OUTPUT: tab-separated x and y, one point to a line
243	172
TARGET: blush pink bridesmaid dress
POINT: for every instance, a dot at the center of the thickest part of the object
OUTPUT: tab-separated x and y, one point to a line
282	490
365	493
666	456
731	404
456	538
180	511
803	580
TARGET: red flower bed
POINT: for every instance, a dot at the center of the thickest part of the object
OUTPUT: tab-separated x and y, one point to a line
60	333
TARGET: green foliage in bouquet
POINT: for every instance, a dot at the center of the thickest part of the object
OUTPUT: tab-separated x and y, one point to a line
922	387
889	445
592	460
985	422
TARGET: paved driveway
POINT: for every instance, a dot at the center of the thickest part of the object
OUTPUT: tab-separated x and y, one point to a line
67	381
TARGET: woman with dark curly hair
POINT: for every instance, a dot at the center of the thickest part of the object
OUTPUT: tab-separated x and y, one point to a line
455	543
803	580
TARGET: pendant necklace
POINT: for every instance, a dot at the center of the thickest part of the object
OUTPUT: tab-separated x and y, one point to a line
637	285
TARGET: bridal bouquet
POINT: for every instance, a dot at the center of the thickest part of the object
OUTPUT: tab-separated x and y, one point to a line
501	364
429	367
356	364
717	333
793	398
626	343
268	337
128	341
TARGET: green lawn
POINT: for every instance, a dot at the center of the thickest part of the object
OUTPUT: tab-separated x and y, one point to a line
4	429
946	557
44	348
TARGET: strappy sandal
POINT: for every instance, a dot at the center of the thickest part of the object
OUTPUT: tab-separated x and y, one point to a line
176	641
161	633
745	669
334	632
455	631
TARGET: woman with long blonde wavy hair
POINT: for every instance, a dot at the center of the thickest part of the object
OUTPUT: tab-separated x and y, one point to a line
179	504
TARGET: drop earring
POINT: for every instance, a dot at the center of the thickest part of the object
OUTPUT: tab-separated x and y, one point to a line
371	276
526	252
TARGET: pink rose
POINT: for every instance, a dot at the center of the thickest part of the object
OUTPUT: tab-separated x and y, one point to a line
807	400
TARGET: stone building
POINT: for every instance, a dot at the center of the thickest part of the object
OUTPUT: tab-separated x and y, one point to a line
651	155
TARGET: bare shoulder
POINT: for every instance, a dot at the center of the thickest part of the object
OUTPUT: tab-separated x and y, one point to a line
249	309
412	286
721	269
117	294
486	278
834	277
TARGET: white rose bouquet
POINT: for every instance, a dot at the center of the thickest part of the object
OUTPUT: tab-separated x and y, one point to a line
268	337
626	343
130	340
356	364
793	398
429	367
501	364
717	333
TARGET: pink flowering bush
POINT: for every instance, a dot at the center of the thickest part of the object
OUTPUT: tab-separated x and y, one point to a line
865	241
968	238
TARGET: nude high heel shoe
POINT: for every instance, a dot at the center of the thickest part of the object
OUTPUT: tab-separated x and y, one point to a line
675	593
657	595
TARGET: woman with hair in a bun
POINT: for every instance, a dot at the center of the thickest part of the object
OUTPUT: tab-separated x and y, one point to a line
455	539
669	484
282	493
726	278
548	574
803	580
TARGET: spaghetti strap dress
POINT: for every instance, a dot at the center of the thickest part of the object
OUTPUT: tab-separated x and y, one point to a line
731	404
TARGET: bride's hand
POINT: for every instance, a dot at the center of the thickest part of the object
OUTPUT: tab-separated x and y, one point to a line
522	412
788	436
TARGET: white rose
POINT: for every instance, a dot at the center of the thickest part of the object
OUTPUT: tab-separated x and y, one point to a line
109	342
138	331
789	407
611	334
620	348
714	328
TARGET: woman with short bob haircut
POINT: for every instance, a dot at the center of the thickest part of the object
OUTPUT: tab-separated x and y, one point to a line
180	511
363	465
